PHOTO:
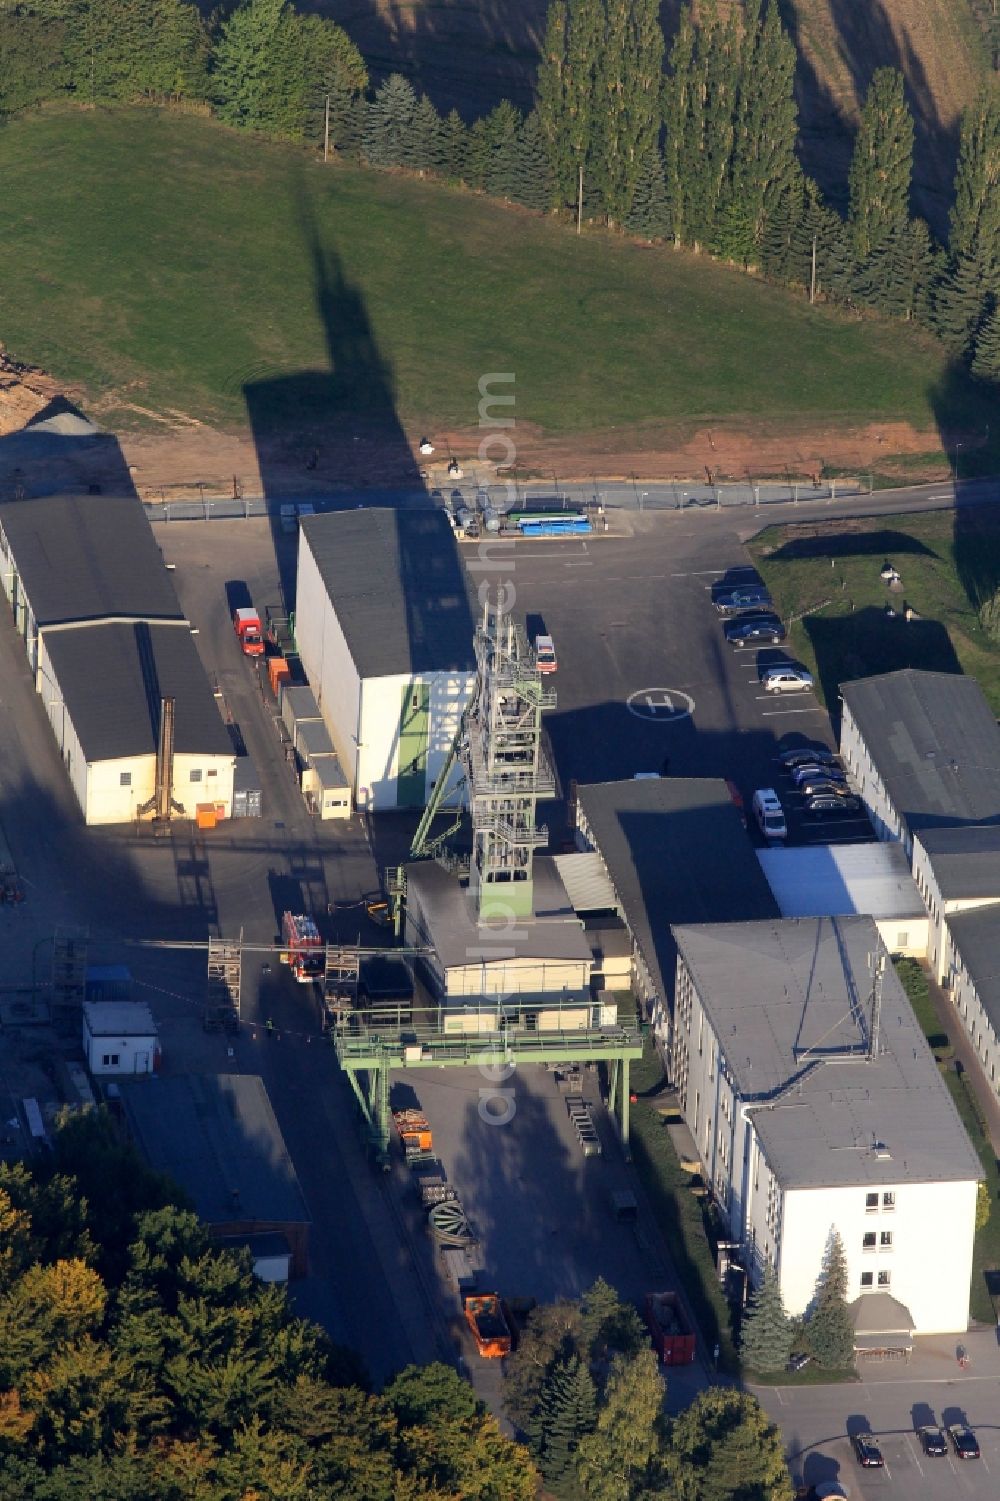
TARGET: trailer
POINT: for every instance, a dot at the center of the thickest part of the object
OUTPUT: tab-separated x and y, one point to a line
672	1337
485	1317
303	949
416	1135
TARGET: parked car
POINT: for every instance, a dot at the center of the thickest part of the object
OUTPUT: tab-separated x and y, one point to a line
730	601
768	812
754	628
963	1441
828	769
798	1362
822	804
785	679
932	1440
801	755
869	1455
820	783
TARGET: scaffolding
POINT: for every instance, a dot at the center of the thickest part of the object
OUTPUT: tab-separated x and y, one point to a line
224	981
341	967
69	974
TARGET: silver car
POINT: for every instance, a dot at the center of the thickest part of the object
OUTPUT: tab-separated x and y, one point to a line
785	679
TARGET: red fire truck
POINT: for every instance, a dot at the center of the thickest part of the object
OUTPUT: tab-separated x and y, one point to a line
302	947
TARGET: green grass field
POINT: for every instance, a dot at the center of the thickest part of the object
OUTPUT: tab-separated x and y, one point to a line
162	261
825	581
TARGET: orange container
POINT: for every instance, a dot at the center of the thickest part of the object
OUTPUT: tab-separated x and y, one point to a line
278	671
204	815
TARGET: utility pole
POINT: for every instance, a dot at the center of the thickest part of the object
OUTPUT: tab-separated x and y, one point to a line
579	200
812	278
326	132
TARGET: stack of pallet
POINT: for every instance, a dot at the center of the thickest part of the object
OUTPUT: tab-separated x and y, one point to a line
583	1123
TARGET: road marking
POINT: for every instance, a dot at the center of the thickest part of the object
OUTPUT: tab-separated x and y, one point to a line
704	573
580	563
773	713
981	1459
885	1466
660	705
768	698
912	1444
939	497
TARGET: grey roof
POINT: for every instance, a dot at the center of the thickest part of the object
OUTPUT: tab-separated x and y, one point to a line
677	852
935	742
880	1313
398	587
119	1019
87	557
782	997
112	678
217	1137
824	880
965	860
976	936
450	923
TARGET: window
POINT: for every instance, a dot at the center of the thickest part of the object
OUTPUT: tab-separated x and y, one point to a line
885	1240
884	1279
125	779
110	1060
213	771
871	1203
867	1278
889	1200
903	939
869	1240
196	774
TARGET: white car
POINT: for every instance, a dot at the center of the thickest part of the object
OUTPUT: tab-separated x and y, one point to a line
785	679
768	812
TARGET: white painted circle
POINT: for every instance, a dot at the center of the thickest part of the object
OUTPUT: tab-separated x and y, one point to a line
660	705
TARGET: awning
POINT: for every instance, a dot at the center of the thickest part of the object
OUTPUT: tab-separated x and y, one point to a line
586	882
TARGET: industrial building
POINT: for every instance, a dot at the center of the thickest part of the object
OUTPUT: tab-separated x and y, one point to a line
659	851
119	1038
108	645
841	880
923	750
216	1136
816	1106
974	973
955	871
384	625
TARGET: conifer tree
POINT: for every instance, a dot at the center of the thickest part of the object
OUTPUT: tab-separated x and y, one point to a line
764	163
962	303
424	149
455	145
649	215
781	241
567	90
986	359
348	112
388	132
766	1335
629	78
882	165
533	172
500	167
975	216
829	1329
568	1414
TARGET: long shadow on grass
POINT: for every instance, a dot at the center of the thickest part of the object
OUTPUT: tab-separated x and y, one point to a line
864	643
887	544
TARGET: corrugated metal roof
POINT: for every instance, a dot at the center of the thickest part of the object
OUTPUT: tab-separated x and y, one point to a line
586	882
119	1019
935	742
789	1004
835	880
676	851
398	587
87	557
112	679
216	1135
976	935
965	860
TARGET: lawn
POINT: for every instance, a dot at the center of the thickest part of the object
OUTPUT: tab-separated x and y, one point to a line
162	261
826	582
986	1251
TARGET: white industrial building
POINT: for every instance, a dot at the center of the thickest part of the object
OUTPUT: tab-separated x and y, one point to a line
119	1038
923	750
107	642
842	880
974	972
385	625
816	1107
955	870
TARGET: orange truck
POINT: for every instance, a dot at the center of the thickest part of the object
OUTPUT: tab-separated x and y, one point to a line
415	1134
246	623
485	1317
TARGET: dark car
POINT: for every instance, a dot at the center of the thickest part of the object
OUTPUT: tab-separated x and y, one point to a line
755	628
814	785
932	1441
828	769
868	1452
963	1441
731	601
804	755
822	804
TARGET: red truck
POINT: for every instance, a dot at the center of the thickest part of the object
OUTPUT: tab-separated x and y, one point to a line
246	623
672	1338
303	949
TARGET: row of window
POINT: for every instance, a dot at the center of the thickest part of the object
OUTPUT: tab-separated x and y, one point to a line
885	1201
868	1280
883	1240
125	777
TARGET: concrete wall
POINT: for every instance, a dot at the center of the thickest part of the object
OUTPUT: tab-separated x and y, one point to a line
327	662
381	708
975	1023
117	1057
904	935
886	820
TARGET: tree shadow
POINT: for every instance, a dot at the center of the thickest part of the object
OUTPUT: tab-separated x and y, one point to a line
887	544
868	642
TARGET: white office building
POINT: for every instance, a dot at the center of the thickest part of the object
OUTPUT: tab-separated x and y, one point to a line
956	870
816	1110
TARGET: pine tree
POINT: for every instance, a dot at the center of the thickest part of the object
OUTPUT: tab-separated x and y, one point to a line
829	1328
764	164
348	112
424	150
388	132
568	1413
532	170
679	100
629	78
455	146
260	69
882	165
500	170
649	215
962	303
975	216
766	1335
986	357
780	255
723	65
567	90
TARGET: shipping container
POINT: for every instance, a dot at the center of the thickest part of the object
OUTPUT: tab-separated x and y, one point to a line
326	788
108	982
311	739
298	706
278	672
205	815
247	796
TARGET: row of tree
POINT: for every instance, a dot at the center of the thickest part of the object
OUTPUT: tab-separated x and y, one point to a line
585	1391
768	1336
138	1362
